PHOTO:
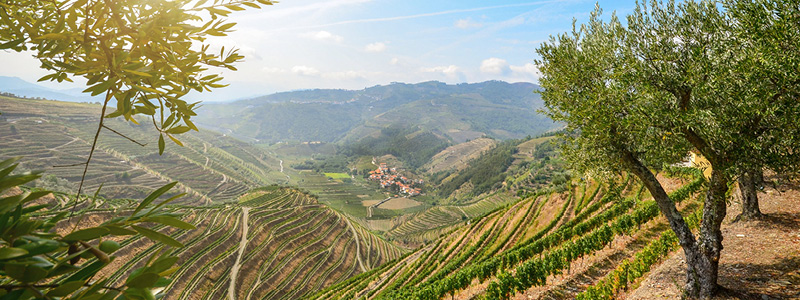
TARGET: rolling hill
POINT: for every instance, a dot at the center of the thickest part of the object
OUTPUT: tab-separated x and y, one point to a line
254	239
22	88
511	222
454	112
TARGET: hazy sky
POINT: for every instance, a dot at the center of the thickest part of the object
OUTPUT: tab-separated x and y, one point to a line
352	44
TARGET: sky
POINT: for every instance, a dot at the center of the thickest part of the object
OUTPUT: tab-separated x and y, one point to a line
353	44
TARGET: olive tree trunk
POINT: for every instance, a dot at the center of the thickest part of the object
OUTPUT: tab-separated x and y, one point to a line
702	257
714	211
748	184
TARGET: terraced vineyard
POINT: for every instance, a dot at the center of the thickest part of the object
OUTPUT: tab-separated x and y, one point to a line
549	245
210	168
276	243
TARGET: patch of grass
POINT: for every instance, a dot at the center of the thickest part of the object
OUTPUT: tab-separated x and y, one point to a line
337	175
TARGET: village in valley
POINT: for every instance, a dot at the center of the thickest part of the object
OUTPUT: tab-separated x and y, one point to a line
390	179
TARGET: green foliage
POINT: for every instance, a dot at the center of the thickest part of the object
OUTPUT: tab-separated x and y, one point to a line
587	86
324	164
534	272
139	53
37	262
409	144
628	271
766	84
678	76
486	172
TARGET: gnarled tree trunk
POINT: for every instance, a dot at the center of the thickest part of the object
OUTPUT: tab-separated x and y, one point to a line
748	184
702	257
714	211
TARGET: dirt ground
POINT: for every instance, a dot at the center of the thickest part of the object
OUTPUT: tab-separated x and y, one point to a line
369	202
394	203
400	203
760	259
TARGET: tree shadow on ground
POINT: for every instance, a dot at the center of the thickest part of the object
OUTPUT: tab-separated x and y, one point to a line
780	280
783	221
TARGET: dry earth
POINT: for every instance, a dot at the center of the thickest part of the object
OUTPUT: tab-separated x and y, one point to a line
400	203
760	259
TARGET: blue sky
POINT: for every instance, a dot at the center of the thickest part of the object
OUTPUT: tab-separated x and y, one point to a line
352	44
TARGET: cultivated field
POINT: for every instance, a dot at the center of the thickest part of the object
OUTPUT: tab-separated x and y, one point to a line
276	243
551	245
56	137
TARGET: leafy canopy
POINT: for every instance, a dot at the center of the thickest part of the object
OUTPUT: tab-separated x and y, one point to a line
144	54
37	262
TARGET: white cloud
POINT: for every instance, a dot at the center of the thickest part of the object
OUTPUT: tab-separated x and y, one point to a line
527	70
305	71
375	47
447	70
394	61
272	70
323	36
468	23
494	66
347	75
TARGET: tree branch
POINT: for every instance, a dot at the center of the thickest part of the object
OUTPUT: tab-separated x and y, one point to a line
72	165
91	152
122	135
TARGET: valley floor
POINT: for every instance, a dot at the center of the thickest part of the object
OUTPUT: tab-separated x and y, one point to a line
760	260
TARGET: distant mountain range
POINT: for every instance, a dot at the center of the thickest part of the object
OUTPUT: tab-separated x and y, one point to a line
22	88
453	112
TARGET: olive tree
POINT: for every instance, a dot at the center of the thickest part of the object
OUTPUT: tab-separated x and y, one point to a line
145	55
767	39
611	124
638	96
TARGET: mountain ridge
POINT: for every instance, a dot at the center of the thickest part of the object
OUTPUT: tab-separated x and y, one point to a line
458	112
22	88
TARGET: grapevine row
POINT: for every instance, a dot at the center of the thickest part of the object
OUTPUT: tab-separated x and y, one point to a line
534	272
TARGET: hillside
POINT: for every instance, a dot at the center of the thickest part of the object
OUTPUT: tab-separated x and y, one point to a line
555	238
529	243
275	243
47	134
457	156
457	112
772	271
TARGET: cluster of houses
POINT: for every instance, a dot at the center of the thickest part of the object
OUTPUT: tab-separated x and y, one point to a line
388	178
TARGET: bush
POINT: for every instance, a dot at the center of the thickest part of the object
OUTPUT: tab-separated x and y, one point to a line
39	263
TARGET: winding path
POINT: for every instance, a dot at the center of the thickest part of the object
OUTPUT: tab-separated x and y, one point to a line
358	245
242	246
462	211
287	175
